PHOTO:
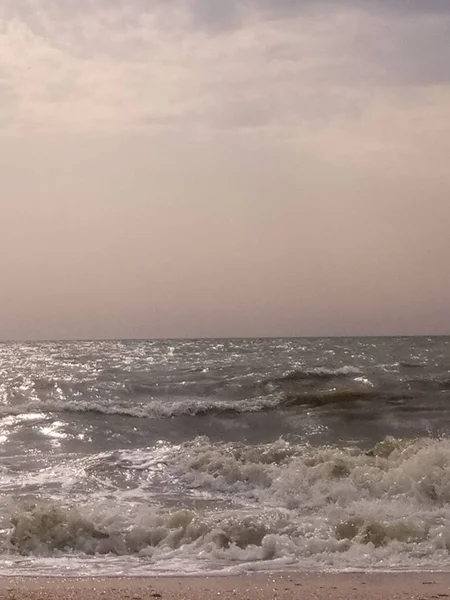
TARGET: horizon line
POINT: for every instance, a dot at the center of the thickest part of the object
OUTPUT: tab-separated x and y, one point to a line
205	338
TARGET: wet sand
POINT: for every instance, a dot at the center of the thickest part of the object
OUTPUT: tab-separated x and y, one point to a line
420	586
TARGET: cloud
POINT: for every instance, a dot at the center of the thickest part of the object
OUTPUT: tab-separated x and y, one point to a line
413	6
216	16
204	68
237	12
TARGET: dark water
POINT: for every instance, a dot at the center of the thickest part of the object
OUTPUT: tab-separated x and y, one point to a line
206	455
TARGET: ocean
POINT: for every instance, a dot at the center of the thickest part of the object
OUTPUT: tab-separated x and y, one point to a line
224	456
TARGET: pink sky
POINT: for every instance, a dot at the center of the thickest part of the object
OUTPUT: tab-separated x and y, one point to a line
198	168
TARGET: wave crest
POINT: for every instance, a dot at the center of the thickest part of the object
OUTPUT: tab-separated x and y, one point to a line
281	502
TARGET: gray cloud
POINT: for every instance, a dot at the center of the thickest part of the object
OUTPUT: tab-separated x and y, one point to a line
216	16
403	7
262	63
402	42
234	13
420	54
411	6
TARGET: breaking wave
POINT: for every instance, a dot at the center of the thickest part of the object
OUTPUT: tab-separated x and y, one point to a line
285	504
314	387
105	470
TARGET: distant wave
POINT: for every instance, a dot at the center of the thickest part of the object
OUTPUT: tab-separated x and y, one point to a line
315	387
195	407
153	410
411	364
319	373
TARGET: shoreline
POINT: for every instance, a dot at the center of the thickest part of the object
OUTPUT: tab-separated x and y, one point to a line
227	575
279	586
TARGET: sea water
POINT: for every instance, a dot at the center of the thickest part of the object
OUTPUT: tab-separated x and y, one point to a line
224	456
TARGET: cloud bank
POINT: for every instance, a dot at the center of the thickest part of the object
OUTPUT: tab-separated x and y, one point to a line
213	66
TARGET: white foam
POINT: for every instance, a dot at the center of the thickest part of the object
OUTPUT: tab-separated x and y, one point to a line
156	408
285	504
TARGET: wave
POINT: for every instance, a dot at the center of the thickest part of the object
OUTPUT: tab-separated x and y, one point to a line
333	396
305	506
44	528
191	394
415	469
152	410
204	407
319	373
200	407
412	364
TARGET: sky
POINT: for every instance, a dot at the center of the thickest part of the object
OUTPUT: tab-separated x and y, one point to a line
197	168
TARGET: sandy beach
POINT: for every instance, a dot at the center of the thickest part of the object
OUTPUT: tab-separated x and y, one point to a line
420	586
